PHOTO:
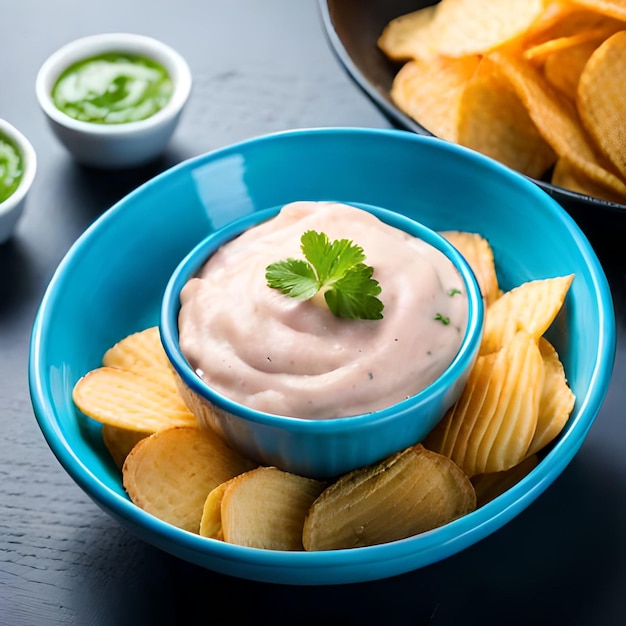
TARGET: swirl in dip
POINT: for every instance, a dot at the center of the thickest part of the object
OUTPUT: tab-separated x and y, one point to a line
291	357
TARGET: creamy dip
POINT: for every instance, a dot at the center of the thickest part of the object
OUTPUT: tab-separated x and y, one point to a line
290	357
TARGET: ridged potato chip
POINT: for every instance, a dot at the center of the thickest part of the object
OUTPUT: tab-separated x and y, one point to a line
611	8
565	175
491	426
493	120
532	307
557	399
127	400
263	508
479	255
410	492
170	473
430	92
602	99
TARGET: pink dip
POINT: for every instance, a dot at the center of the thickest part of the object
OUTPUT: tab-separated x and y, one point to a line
284	356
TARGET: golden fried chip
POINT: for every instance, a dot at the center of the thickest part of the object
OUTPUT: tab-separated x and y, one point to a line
493	120
564	175
611	8
170	473
408	36
211	521
143	354
490	427
263	508
410	492
430	92
490	486
542	51
120	441
531	307
463	27
127	400
602	99
555	119
557	399
563	68
478	253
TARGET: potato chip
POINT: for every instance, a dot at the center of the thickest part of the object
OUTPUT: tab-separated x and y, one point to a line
171	473
143	354
490	486
410	492
479	255
611	8
407	37
532	307
602	99
464	27
542	51
127	400
490	427
564	175
556	120
211	520
563	68
493	120
120	441
557	399
430	92
263	508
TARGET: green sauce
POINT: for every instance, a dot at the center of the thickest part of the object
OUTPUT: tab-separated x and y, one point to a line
113	88
11	167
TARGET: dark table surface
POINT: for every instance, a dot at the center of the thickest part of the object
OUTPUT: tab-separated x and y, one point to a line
258	67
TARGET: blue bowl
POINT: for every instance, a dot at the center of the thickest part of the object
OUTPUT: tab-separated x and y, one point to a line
312	447
145	236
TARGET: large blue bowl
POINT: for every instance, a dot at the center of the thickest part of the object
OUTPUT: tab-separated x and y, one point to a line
112	280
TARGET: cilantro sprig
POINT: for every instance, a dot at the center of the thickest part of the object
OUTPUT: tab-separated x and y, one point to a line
333	269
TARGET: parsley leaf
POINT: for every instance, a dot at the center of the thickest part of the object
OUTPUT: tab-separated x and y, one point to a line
334	269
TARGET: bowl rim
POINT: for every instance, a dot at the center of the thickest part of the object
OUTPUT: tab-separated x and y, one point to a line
327	567
196	257
91	45
401	119
29	159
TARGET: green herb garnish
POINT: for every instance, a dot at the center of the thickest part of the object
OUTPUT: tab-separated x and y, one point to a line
334	270
442	318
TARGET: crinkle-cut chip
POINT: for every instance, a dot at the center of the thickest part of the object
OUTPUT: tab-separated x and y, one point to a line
143	354
463	27
430	92
490	486
408	493
170	473
127	400
557	399
120	441
531	307
556	119
602	99
564	175
479	254
408	36
264	508
493	120
611	8
563	68
490	427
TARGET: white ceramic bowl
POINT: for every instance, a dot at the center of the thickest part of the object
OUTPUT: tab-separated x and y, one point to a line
122	145
12	208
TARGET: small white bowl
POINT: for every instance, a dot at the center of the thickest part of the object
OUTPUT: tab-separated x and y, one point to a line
12	208
114	146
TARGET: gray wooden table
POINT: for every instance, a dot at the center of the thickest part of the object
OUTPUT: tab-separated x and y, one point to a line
259	67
